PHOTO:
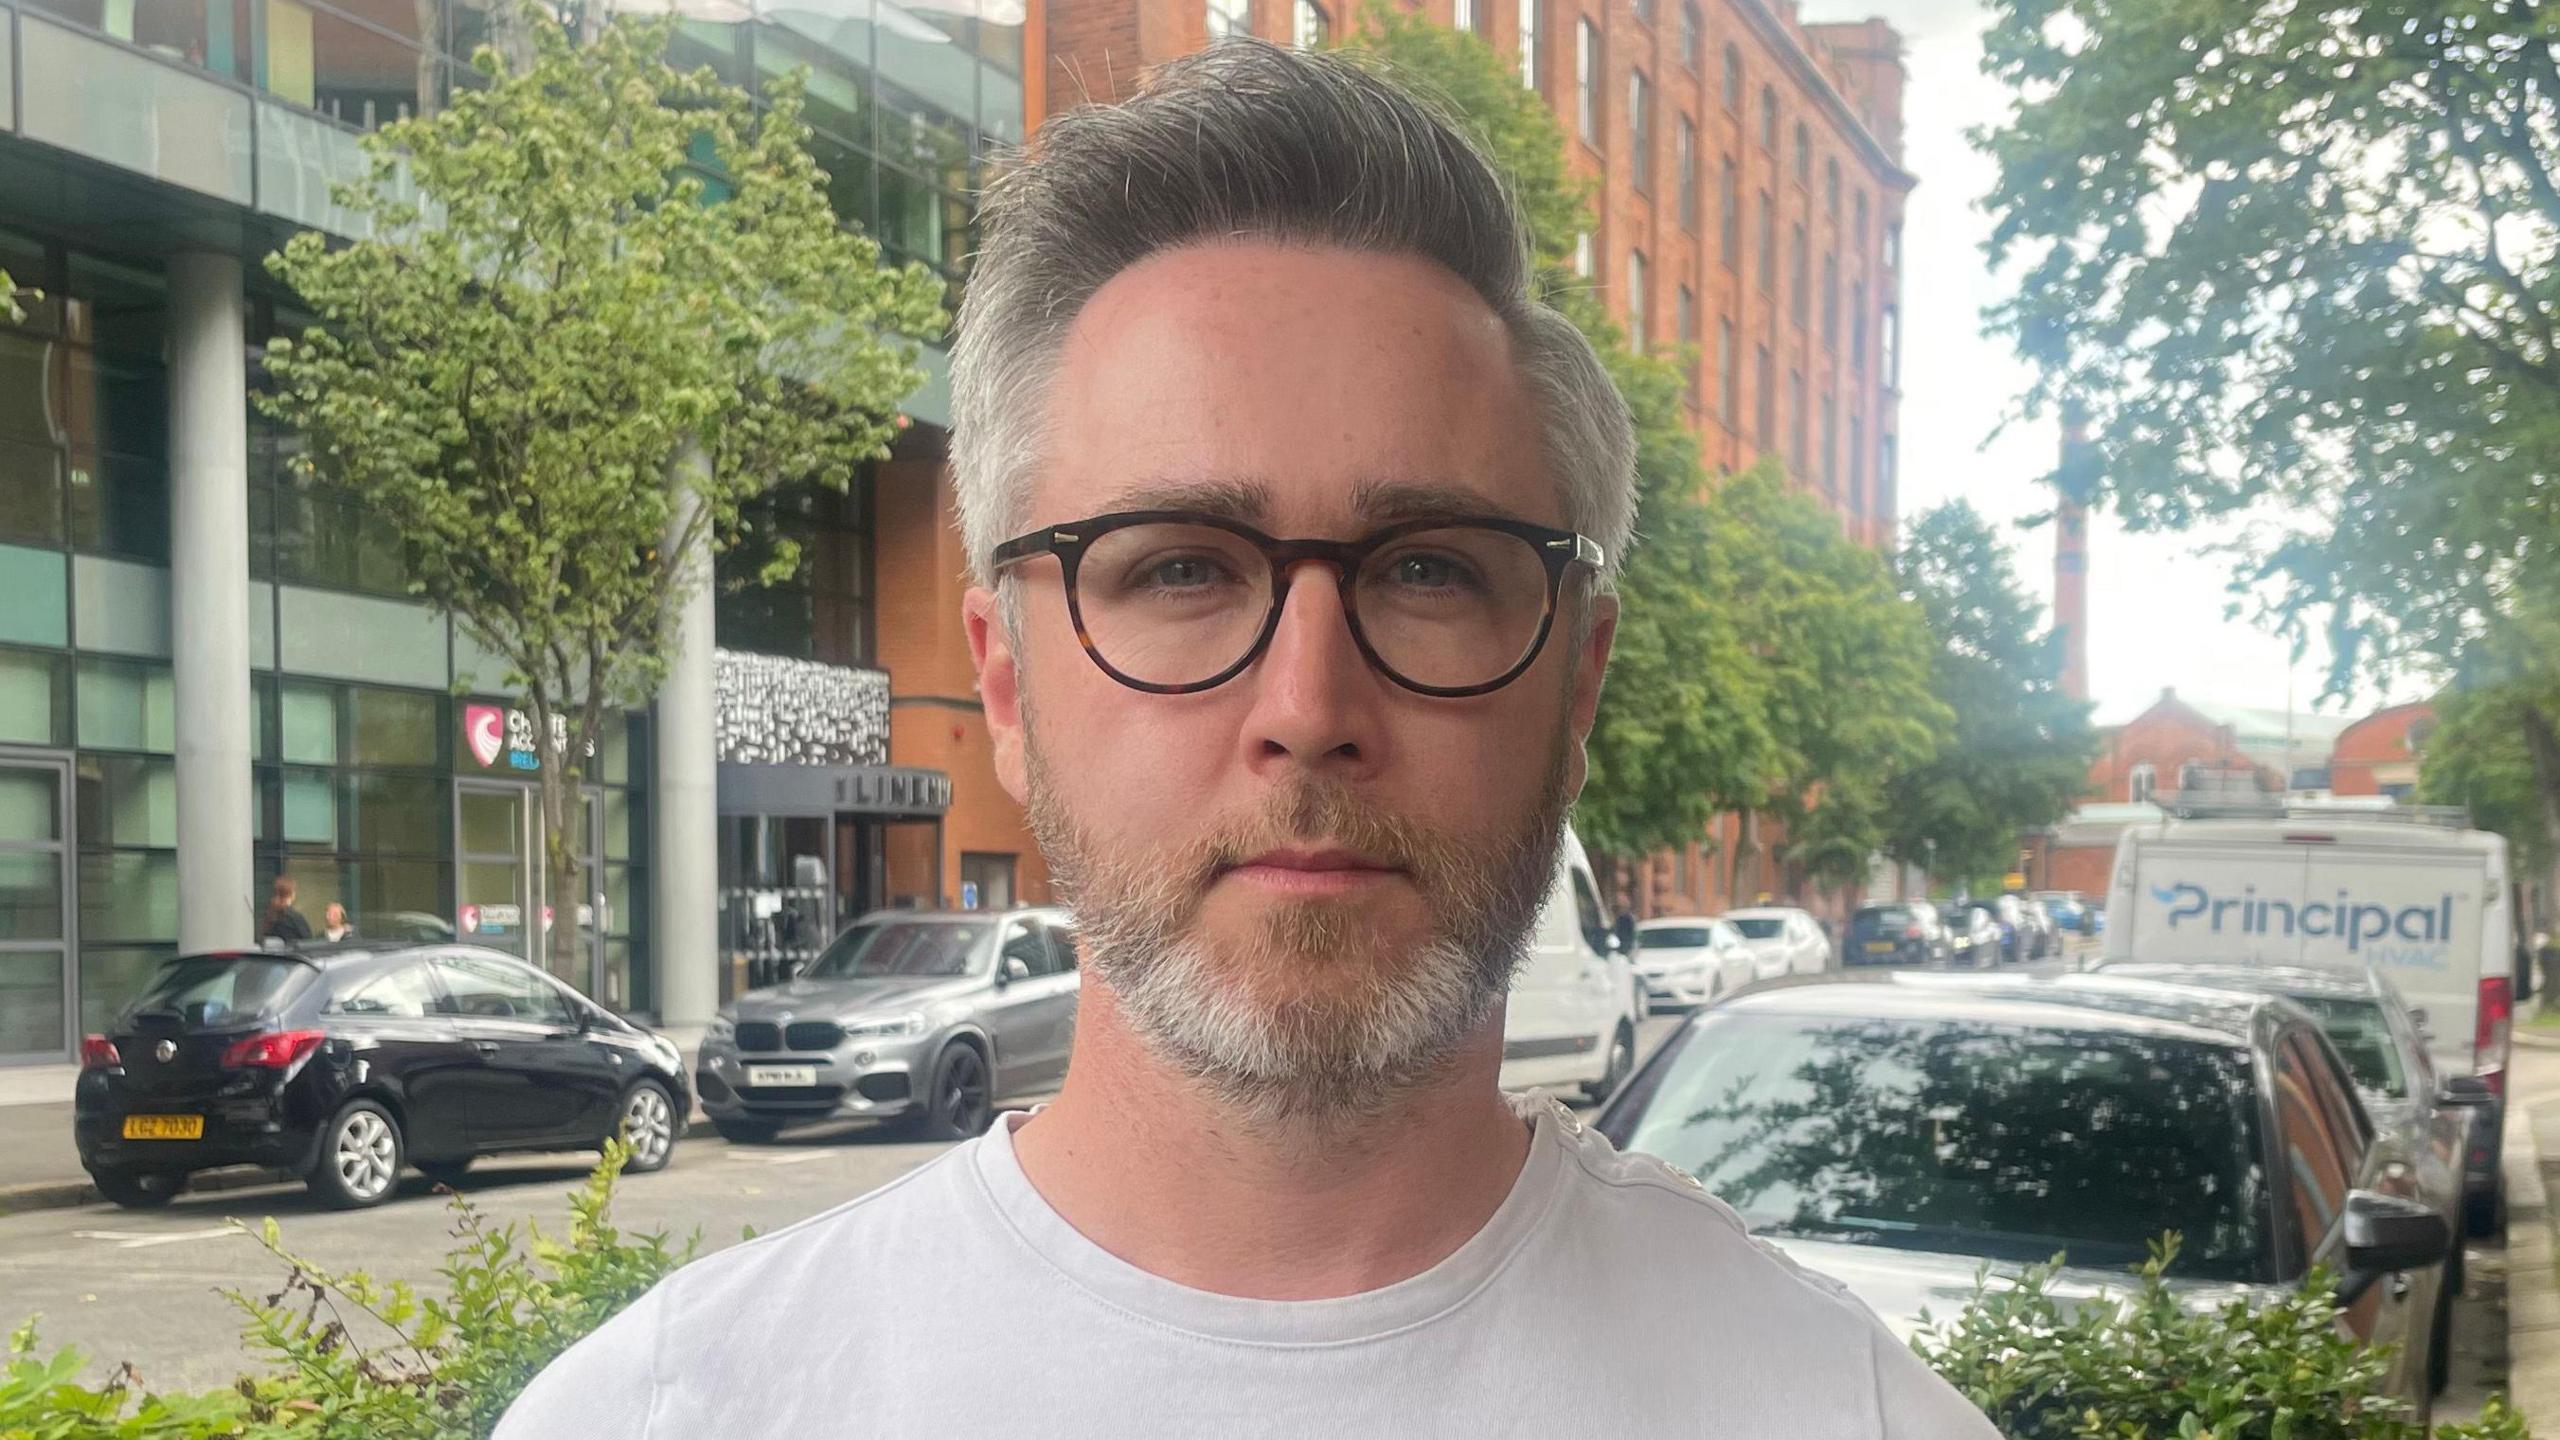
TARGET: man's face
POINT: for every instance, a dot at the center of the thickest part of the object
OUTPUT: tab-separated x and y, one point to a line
1307	884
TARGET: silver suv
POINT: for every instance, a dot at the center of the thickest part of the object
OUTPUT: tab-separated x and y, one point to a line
927	1017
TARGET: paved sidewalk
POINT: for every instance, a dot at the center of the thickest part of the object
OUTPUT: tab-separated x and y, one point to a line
2532	1165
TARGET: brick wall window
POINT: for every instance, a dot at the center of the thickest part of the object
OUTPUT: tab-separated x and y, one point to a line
1797	274
1693	27
1733	79
1229	17
1729	216
1768	417
1768	242
1684	154
1831	300
1831	188
1768	119
1310	26
1586	80
1639	301
1728	377
1532	22
1640	131
1804	154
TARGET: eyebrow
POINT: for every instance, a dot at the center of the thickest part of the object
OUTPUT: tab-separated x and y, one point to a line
1245	500
1380	502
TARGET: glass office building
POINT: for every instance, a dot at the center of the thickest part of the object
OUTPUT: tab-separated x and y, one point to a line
209	677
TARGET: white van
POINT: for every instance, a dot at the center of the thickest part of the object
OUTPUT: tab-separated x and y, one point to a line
2410	894
1571	1018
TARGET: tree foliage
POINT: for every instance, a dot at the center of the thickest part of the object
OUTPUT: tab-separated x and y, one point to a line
2478	756
580	269
2305	261
2018	753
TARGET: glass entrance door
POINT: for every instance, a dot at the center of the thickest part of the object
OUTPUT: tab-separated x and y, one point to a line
493	904
35	909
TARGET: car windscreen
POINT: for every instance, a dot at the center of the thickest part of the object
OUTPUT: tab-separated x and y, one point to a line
883	948
2362	1037
1757	928
1884	917
2005	1142
218	992
1673	937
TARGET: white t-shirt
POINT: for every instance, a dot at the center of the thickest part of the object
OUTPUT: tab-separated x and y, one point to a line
1608	1296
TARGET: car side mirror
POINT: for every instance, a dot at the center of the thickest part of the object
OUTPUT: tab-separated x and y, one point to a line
2418	1021
1011	970
2387	1234
2466	1092
1623	934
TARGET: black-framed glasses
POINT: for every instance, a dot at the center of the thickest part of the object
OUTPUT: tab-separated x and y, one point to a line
1174	601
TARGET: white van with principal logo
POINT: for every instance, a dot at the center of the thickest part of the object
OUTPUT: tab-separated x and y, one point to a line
2411	894
1570	1021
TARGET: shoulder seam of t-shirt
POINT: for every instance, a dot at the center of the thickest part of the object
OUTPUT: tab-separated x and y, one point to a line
1058	1274
1654	1174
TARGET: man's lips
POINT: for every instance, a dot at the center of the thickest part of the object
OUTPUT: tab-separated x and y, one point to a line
1320	871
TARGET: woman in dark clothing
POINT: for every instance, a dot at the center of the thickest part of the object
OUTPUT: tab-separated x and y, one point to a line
283	921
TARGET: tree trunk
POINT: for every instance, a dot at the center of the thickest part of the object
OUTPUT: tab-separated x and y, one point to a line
2542	743
560	793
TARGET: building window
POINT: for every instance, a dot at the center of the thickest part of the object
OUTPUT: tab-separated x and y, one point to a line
1831	300
1582	254
1693	35
1884	476
1228	18
1728	377
1800	280
1684	154
2141	783
1640	131
1462	15
1831	189
1639	300
1644	11
1312	27
1860	228
1768	390
1798	421
1858	324
1857	466
1804	154
1892	342
1729	216
1687	316
1530	26
1893	246
1768	119
1586	82
1768	243
1733	79
821	610
1830	443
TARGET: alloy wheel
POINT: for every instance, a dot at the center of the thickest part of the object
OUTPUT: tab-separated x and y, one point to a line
964	1092
648	1126
366	1156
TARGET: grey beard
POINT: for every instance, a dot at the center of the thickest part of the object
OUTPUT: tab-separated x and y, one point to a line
1300	1064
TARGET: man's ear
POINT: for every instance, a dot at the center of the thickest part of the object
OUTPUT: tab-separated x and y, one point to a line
999	685
1590	668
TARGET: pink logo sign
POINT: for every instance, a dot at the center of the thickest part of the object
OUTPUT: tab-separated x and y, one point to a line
470	919
485	726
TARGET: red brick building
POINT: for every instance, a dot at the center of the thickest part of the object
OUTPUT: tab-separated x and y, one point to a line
2378	755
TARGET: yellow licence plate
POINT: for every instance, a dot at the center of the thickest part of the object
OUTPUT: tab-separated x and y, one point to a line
164	1127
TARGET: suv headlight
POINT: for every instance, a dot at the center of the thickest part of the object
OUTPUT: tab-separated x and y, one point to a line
870	1027
722	1028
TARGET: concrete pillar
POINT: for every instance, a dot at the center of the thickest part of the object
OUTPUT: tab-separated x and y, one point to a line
209	601
684	878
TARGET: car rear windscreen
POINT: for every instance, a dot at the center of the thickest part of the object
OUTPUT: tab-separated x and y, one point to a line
2005	1142
219	991
1674	937
884	948
1759	929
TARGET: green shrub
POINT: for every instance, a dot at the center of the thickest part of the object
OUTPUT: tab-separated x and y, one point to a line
2145	1367
348	1357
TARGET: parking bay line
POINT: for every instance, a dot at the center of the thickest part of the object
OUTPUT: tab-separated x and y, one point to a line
128	1240
802	1157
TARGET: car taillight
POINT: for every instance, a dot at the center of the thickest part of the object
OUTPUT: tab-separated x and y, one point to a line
273	1050
2489	1033
1910	932
97	1052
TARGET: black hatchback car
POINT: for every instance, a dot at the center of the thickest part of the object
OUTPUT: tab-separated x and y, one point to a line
340	1064
1907	932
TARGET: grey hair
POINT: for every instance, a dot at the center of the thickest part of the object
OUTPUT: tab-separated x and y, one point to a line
1247	138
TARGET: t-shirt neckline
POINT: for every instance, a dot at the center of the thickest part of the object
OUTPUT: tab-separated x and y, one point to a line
1370	1315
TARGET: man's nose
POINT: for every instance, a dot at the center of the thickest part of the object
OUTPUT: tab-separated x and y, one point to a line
1316	701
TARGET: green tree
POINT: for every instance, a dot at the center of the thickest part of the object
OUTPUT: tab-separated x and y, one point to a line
2306	260
2017	757
570	355
2479	756
1844	665
1681	733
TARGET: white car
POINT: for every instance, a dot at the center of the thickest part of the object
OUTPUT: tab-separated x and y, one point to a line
1782	941
1570	1021
1689	960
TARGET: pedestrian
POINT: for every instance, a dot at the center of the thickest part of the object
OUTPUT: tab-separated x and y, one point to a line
284	923
1246	362
334	924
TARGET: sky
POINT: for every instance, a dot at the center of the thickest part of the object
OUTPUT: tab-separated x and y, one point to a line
2156	602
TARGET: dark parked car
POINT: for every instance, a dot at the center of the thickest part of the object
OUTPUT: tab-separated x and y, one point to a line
1974	936
1905	932
342	1063
1902	1136
2009	924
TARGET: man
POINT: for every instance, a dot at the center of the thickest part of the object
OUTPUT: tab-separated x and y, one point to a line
1294	515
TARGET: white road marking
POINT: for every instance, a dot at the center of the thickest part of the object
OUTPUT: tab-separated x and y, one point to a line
128	1240
795	1157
